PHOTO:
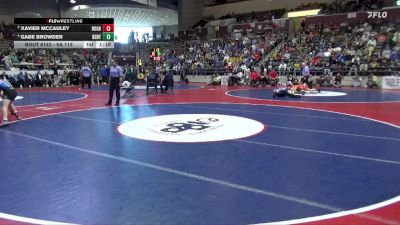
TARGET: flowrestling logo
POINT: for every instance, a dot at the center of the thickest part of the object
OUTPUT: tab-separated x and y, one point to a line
200	125
187	128
377	15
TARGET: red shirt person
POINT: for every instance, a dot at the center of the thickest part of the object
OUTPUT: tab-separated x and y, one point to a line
254	75
273	76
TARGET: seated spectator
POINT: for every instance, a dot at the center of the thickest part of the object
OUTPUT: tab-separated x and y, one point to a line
396	37
291	80
168	82
21	79
374	65
381	38
372	81
371	47
327	69
386	53
337	81
29	80
357	82
363	66
215	80
39	80
273	77
355	64
13	80
264	79
254	78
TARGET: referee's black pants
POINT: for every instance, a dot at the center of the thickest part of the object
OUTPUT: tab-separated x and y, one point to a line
88	81
114	85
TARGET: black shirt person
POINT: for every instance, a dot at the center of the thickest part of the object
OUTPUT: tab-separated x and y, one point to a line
167	82
115	81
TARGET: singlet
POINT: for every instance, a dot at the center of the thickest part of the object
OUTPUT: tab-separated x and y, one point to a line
5	85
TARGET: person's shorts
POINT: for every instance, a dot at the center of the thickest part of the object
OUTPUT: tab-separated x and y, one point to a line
10	94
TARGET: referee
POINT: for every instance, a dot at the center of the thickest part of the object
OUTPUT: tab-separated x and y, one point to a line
115	82
86	76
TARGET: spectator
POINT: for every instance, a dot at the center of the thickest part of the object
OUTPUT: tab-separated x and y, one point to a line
372	81
355	64
282	68
338	80
254	77
273	77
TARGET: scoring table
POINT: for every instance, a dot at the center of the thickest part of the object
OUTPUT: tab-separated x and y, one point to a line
64	33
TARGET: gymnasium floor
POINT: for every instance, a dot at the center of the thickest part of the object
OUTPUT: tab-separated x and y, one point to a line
202	155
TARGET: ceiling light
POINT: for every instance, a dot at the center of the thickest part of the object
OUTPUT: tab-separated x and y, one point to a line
72	1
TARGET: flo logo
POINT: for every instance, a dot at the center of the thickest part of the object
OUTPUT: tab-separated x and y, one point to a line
191	128
377	15
198	125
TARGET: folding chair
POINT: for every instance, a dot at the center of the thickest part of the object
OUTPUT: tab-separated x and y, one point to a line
151	86
129	91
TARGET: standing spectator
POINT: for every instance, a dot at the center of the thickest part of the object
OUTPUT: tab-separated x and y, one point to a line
104	73
306	75
282	68
130	73
86	76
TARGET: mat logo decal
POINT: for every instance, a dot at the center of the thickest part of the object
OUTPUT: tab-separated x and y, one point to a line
191	128
198	125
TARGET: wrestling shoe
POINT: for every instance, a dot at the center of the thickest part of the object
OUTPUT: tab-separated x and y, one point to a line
4	123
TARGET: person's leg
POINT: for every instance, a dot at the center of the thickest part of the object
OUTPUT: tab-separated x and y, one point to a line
356	72
110	95
83	82
118	94
89	82
6	104
14	111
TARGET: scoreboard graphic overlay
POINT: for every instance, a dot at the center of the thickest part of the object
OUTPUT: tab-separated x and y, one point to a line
64	33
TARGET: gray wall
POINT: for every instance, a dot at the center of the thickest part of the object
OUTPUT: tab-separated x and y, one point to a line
9	8
190	12
173	29
254	5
